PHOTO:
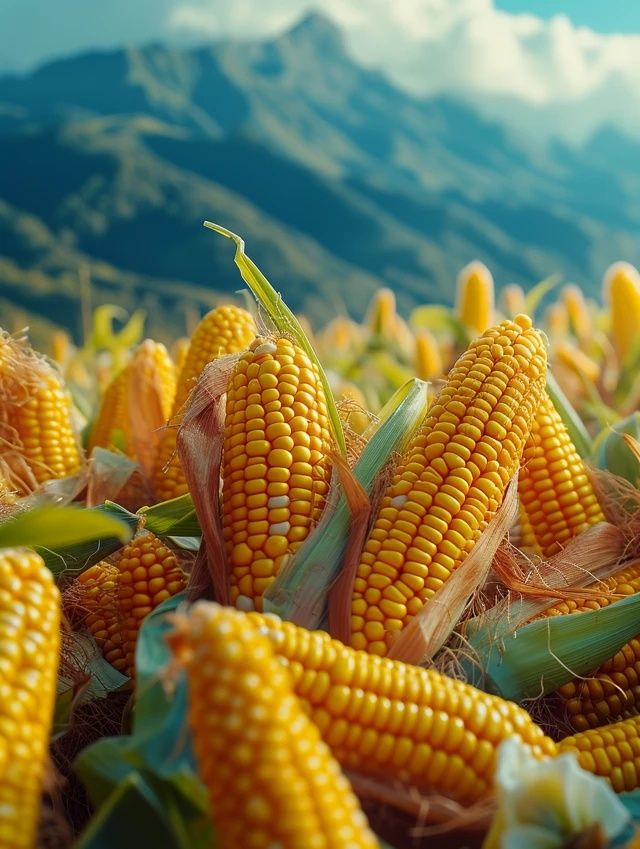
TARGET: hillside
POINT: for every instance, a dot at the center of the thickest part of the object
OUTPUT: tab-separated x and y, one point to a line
338	181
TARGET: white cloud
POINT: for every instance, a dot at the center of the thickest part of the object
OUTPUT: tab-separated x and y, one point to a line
543	77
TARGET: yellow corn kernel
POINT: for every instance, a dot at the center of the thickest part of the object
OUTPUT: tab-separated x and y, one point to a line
225	330
354	411
29	649
612	752
622	293
428	358
118	596
384	717
110	428
613	690
271	780
555	491
475	297
276	432
452	478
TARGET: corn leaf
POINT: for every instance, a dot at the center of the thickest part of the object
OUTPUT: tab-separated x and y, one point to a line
284	320
612	452
572	421
112	527
545	654
438	318
158	752
535	295
176	517
59	527
304	582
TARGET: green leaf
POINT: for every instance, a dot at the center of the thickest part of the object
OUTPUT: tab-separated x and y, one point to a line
176	517
541	656
284	320
60	527
73	557
537	293
613	455
144	812
437	319
572	421
304	582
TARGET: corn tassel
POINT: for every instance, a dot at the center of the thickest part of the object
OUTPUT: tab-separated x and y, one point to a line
225	330
451	480
555	491
276	464
271	780
29	641
475	297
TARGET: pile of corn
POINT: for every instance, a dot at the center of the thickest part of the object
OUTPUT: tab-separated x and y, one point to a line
287	732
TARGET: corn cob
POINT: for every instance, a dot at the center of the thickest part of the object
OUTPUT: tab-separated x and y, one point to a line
428	359
555	491
513	300
29	641
613	690
116	597
112	416
276	464
474	298
451	480
557	321
612	752
382	717
225	330
37	409
381	315
579	317
356	419
179	353
622	291
575	360
525	537
271	780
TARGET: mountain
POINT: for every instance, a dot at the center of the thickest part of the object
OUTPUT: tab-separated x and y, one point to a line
338	181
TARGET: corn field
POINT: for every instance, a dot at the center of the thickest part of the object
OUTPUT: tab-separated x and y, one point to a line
370	585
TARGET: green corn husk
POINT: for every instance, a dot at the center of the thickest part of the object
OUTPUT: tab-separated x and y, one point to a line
299	593
612	453
284	321
545	654
535	295
176	517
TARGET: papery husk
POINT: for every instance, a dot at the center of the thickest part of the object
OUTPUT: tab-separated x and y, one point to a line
108	474
620	503
432	626
534	584
434	814
200	444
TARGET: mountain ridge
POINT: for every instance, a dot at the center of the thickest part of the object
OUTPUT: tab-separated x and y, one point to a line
338	181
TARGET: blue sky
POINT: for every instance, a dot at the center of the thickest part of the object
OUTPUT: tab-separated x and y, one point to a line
601	15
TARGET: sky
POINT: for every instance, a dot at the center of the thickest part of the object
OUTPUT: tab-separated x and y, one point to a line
545	68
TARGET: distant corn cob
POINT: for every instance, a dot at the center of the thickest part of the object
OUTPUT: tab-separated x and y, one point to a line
576	361
179	353
381	315
451	480
555	491
557	321
622	293
225	330
29	647
578	313
61	347
525	538
117	596
475	297
355	410
389	719
513	300
428	358
137	403
276	463
271	780
612	752
613	690
36	410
